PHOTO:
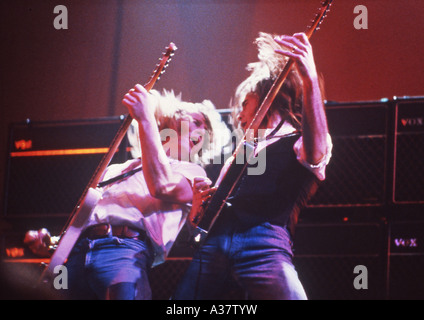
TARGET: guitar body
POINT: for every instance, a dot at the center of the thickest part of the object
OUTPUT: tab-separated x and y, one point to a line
70	237
226	187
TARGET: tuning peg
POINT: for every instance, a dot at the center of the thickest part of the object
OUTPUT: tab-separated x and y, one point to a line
172	46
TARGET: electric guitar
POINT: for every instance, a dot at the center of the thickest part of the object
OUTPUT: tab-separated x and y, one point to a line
207	217
82	211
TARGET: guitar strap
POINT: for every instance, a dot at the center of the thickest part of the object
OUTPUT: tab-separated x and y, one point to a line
120	177
274	132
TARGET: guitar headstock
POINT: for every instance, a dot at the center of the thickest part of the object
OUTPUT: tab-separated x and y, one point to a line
319	17
161	66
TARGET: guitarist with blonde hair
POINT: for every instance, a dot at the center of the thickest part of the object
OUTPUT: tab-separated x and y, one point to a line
144	202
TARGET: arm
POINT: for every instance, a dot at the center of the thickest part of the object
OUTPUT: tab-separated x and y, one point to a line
314	121
162	182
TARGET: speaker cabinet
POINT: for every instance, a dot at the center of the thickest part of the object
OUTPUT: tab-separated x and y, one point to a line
409	152
326	257
50	163
19	280
406	260
356	174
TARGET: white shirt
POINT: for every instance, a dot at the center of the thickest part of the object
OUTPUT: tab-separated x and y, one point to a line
128	202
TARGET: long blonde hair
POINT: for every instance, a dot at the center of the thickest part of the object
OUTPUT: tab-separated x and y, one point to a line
170	111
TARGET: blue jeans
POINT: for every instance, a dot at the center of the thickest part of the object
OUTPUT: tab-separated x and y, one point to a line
109	268
258	259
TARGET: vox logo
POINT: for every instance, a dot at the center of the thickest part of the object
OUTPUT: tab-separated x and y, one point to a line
406	243
412	122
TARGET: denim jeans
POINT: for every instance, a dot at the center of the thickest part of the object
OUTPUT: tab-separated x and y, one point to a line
258	259
109	268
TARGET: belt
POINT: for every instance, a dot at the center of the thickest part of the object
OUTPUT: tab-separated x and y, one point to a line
105	230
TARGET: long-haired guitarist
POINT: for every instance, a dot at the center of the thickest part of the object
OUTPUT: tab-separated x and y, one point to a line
251	241
145	200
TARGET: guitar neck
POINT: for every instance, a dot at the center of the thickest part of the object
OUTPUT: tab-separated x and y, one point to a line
278	83
128	119
114	145
112	150
272	93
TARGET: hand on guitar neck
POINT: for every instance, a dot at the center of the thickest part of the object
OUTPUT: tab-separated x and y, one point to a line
314	123
299	49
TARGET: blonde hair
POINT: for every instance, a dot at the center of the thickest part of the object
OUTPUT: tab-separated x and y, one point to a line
263	73
171	110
